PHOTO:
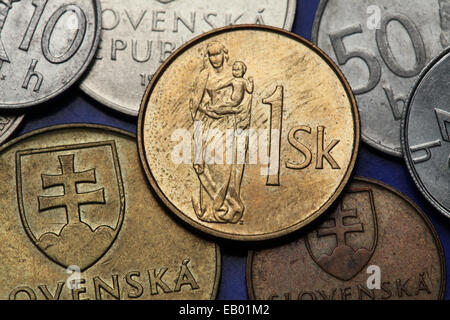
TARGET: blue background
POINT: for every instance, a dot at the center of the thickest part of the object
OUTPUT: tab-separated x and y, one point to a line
75	107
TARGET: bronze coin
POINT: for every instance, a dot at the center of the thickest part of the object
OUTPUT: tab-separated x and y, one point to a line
376	244
79	221
248	132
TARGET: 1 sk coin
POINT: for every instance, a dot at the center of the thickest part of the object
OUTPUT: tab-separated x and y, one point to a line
248	133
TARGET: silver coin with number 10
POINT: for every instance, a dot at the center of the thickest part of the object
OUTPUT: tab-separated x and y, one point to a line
45	45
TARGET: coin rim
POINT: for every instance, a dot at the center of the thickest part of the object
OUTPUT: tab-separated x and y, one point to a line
44	130
11	128
286	230
77	76
428	223
288	24
314	38
404	135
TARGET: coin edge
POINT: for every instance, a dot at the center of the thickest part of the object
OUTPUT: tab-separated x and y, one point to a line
422	214
285	231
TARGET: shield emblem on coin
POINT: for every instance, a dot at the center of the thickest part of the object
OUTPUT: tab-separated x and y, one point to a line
71	200
344	243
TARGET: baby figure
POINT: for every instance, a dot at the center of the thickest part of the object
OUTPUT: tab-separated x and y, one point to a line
239	86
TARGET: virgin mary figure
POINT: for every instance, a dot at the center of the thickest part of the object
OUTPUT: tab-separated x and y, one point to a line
219	198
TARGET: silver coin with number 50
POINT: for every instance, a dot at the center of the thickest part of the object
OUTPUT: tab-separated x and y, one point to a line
382	46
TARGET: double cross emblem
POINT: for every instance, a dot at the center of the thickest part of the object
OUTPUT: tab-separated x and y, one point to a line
71	199
340	228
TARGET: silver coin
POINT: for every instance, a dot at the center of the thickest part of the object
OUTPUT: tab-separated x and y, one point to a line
426	133
381	46
45	45
139	35
8	124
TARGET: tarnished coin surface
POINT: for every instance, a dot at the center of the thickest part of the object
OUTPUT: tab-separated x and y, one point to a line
425	133
139	35
248	133
45	46
381	47
376	244
79	221
7	126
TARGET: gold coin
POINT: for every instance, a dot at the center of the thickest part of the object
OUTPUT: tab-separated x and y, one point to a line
79	221
248	133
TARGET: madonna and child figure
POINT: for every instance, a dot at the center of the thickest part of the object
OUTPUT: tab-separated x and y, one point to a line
239	85
221	101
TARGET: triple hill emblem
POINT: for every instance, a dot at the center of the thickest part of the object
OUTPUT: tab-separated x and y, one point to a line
71	200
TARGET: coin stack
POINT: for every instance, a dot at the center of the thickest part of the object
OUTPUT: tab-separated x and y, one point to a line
247	134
